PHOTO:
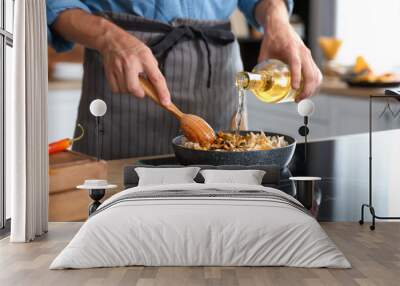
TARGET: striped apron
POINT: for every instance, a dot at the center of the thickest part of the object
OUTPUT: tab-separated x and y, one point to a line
199	60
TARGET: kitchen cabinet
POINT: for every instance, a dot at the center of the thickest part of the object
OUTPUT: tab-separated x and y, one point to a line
334	115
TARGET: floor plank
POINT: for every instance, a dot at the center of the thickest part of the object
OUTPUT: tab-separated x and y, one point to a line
375	257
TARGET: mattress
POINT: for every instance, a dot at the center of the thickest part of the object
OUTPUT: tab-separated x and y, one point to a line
201	225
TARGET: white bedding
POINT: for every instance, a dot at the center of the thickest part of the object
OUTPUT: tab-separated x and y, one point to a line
220	231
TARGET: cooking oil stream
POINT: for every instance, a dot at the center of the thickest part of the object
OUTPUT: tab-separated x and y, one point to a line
239	112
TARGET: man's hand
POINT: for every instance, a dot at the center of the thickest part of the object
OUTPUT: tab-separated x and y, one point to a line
282	42
124	56
125	60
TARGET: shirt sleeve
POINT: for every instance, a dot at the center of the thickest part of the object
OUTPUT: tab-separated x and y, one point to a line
53	9
248	6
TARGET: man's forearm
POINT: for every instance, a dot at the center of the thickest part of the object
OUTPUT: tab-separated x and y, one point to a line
269	12
91	31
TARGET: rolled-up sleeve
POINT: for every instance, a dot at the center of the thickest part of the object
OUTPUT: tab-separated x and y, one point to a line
53	9
248	6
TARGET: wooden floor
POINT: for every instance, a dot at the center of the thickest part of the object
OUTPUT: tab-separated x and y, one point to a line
375	257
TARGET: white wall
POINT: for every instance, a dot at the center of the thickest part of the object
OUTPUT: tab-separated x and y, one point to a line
369	28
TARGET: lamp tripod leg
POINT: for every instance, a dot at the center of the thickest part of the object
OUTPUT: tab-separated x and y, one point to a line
372	210
361	221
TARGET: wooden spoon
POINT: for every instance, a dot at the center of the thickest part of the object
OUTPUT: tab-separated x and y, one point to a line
195	128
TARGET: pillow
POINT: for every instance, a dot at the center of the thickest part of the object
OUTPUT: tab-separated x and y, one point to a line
164	176
249	177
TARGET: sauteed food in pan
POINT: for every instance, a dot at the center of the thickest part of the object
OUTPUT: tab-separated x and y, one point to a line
227	141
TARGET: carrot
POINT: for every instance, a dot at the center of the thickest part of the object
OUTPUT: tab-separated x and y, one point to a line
64	144
60	145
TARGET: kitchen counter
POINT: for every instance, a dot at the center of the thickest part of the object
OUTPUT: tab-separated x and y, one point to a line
66	203
55	85
338	87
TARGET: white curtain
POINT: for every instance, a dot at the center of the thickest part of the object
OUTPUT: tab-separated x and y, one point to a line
26	124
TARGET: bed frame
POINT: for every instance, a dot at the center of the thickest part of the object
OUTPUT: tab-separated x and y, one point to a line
270	179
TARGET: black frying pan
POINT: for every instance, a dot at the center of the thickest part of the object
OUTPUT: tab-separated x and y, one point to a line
279	156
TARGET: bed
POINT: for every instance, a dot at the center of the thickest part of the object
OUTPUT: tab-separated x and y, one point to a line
198	224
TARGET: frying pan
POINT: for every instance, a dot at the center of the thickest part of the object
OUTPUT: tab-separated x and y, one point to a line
280	156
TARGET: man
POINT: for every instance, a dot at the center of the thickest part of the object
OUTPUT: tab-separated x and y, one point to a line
184	48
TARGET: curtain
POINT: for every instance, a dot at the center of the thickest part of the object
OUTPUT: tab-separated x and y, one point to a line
26	124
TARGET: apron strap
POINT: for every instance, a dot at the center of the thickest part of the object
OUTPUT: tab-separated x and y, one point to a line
162	47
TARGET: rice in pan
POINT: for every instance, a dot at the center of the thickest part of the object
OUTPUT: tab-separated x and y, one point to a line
226	141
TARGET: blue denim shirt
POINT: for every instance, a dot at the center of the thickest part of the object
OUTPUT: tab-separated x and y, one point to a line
161	10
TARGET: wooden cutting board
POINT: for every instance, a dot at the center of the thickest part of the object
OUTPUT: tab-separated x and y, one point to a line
69	169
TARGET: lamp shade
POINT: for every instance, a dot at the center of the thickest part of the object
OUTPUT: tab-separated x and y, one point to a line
98	107
306	107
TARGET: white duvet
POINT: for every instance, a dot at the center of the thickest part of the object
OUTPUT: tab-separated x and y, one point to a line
204	231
